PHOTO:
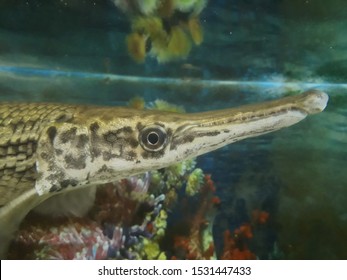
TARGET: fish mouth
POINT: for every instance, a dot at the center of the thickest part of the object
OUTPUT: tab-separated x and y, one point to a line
313	101
206	131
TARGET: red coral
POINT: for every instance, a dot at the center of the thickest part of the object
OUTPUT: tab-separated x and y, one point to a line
209	183
244	231
236	243
216	200
260	217
235	246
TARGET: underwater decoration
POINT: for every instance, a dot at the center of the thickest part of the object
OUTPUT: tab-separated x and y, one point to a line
163	29
127	221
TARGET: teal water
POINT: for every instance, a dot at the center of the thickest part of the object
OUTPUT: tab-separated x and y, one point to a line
253	51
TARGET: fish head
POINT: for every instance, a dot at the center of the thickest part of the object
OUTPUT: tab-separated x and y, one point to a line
105	144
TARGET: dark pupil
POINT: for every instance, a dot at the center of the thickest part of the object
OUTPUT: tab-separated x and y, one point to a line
153	138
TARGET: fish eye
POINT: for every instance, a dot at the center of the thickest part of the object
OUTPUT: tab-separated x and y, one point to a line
153	138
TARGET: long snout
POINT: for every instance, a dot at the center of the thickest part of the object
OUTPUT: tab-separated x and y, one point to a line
207	131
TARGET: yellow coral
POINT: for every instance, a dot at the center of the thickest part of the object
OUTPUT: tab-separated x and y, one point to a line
137	46
184	5
195	30
170	198
179	43
157	22
172	46
199	6
166	8
137	103
194	182
162	105
160	221
195	6
152	251
148	25
153	28
162	256
147	7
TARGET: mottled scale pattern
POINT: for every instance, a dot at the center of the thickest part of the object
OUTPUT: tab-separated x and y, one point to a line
20	129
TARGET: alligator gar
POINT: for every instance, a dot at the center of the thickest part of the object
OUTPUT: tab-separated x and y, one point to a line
54	151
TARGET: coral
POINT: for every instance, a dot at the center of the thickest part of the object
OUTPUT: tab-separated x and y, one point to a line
175	175
198	243
235	245
185	5
136	43
128	221
151	251
123	5
164	8
137	103
147	7
165	106
194	182
153	26
260	217
160	224
73	239
164	29
171	179
179	45
195	6
195	30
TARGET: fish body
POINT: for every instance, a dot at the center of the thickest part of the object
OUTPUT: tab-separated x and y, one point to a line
58	151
